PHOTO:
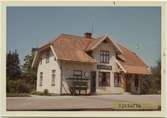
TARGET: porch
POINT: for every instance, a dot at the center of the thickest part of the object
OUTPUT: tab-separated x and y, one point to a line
78	86
131	83
104	83
108	82
88	79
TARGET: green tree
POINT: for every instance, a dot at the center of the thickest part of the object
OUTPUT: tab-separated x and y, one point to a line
29	73
13	70
156	78
20	79
13	65
152	84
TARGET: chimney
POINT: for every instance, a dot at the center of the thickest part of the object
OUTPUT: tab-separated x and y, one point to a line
88	35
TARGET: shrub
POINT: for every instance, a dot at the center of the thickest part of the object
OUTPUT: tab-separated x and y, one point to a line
17	95
33	92
22	87
46	92
18	86
11	86
37	93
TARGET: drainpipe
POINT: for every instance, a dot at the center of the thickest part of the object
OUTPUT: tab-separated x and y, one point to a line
61	77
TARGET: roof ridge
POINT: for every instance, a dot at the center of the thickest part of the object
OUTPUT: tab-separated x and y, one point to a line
70	35
56	37
134	54
125	48
50	41
102	36
93	39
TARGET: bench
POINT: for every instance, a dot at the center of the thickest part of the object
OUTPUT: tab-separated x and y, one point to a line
78	85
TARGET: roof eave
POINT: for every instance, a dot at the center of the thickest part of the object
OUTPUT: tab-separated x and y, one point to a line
69	60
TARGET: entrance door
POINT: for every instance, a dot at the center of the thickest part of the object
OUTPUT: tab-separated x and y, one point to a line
93	82
104	79
128	85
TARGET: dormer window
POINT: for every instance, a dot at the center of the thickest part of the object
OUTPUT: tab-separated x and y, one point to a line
47	56
104	56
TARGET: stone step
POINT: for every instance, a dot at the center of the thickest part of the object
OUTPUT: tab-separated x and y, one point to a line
110	91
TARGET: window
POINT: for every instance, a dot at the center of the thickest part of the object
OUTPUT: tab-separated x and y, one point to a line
104	79
53	77
40	62
77	74
117	80
136	81
47	57
86	74
41	79
104	56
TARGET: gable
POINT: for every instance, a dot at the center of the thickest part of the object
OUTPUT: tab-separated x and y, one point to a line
131	63
106	44
42	52
105	39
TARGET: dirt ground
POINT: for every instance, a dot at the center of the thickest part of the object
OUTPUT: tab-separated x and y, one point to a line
74	103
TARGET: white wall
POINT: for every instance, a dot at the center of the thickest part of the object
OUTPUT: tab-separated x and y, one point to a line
67	71
112	62
47	68
68	67
105	46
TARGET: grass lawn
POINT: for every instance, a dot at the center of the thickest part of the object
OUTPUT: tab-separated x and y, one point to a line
18	95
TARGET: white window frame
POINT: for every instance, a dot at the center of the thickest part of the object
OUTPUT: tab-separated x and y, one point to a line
41	79
47	57
53	80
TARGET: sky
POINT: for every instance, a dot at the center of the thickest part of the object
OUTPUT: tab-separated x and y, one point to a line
137	28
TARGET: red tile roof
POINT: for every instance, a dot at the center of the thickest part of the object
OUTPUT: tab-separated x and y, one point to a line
131	62
69	47
73	48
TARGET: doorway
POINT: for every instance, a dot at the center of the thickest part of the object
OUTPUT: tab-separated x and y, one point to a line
93	82
104	79
128	85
